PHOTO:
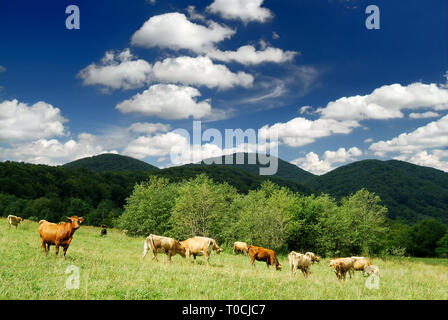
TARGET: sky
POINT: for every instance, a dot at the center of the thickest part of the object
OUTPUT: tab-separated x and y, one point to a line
135	75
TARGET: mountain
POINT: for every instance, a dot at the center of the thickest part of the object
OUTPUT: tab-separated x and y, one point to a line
411	192
110	162
242	180
285	170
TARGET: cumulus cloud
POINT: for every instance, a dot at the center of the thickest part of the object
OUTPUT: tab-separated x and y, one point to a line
432	135
301	131
423	158
117	70
54	152
199	71
20	122
167	101
387	102
245	10
175	31
248	55
158	145
313	164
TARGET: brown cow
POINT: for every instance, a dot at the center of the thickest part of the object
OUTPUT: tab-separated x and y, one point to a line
166	245
348	265
58	234
240	247
340	269
198	246
14	220
263	254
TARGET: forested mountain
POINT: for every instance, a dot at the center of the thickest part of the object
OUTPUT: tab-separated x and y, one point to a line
411	192
285	169
110	162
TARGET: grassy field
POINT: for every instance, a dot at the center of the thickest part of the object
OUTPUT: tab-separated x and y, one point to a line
111	268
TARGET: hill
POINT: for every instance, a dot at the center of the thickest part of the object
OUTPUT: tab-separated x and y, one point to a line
411	192
285	170
242	180
110	162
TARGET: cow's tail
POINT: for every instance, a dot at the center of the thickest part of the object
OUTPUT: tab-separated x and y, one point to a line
146	247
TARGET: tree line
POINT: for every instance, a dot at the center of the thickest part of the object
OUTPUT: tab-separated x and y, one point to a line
275	217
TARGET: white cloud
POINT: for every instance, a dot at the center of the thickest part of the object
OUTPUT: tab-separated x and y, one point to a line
53	152
432	135
2	69
423	115
423	158
167	101
301	131
117	71
313	164
159	145
175	31
387	102
199	71
20	122
247	55
245	10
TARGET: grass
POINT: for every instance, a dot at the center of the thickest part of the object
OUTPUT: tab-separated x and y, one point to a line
111	268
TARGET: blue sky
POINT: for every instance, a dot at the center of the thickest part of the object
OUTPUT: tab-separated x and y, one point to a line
334	91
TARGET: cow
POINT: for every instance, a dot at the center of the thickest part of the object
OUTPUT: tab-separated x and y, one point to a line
103	230
348	265
313	257
14	220
372	269
160	244
58	234
300	261
240	247
361	264
340	269
263	254
198	246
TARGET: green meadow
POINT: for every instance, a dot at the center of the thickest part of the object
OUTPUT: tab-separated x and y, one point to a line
111	268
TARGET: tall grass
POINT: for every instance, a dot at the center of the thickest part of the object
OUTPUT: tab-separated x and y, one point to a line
112	268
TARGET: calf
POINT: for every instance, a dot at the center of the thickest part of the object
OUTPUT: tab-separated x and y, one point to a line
103	230
166	245
300	261
14	220
263	254
58	234
240	247
361	264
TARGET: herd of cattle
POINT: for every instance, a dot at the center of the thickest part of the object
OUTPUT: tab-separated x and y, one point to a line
61	234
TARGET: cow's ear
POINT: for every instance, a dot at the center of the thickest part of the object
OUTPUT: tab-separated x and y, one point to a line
81	219
68	219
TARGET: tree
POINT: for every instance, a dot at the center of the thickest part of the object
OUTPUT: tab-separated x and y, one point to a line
358	226
148	209
264	216
425	235
442	246
201	208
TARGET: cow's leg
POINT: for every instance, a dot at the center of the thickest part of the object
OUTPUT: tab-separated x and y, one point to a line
155	255
169	256
65	250
56	250
43	245
252	261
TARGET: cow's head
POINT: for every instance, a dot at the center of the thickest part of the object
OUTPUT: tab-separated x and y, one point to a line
75	221
316	259
278	266
218	250
180	249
